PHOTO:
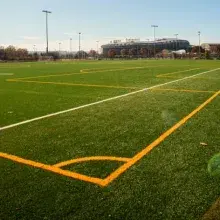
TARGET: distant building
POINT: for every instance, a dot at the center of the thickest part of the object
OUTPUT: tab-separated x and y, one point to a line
170	44
212	47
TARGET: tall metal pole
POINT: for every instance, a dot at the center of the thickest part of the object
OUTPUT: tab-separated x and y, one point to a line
59	47
199	33
176	40
70	53
70	45
79	44
47	12
154	27
97	46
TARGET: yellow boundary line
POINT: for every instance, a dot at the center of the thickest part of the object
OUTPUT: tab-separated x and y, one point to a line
167	75
64	74
155	143
94	158
129	162
53	169
9	67
213	213
176	77
44	76
112	70
80	73
183	90
181	71
73	84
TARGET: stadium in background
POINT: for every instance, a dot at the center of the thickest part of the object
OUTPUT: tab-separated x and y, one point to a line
136	47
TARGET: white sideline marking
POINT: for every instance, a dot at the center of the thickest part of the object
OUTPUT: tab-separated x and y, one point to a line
102	101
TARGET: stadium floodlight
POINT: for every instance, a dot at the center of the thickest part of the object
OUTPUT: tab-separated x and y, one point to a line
97	47
59	47
47	12
34	47
176	40
71	45
154	27
79	45
199	33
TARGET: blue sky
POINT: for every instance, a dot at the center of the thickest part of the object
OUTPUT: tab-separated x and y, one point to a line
23	24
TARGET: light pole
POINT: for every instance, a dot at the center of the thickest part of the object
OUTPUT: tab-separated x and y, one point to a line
97	46
47	12
154	27
79	44
176	40
199	33
71	45
59	48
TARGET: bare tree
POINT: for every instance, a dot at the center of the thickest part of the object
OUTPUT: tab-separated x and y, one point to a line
218	50
132	52
143	52
10	53
21	54
2	53
111	53
92	53
124	52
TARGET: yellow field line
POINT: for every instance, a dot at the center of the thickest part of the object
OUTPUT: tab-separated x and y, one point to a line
111	70
81	72
129	161
176	77
94	158
183	90
9	67
68	74
73	84
45	76
170	77
53	169
210	78
214	211
181	71
155	143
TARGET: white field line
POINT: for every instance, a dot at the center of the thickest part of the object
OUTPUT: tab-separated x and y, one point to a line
99	102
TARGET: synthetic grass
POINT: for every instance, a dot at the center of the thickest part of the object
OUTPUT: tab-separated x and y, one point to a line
172	182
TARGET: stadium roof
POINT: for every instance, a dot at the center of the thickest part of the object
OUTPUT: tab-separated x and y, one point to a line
162	40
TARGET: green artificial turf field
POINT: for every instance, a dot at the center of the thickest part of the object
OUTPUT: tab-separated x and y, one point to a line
109	139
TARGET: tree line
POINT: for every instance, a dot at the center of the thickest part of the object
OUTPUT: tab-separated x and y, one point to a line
12	53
